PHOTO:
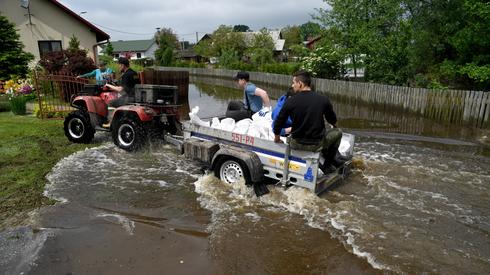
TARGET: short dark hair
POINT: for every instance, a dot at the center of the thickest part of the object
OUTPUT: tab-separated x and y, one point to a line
242	75
123	60
304	77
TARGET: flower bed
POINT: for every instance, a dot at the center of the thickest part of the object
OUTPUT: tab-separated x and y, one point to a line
18	92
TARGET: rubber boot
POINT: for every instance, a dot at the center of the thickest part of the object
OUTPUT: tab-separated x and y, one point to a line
109	117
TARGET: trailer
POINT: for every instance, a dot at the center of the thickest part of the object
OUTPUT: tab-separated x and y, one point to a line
233	156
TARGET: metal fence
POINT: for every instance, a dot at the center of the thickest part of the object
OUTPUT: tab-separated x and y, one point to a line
54	92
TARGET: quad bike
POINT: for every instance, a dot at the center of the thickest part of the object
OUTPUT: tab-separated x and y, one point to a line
153	113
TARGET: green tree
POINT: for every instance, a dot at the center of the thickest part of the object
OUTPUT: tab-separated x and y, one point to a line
228	57
261	50
224	39
241	28
309	30
424	43
292	35
13	60
368	31
167	43
74	43
204	48
109	49
325	61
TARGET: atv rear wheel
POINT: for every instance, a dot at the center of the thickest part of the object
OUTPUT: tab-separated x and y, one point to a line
129	134
77	127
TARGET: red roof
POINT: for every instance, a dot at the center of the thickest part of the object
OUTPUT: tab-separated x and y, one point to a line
99	34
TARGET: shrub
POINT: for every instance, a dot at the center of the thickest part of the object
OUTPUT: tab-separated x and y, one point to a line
189	64
4	103
241	66
48	110
74	62
280	68
18	105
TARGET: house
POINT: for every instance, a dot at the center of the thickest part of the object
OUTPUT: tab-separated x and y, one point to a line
46	26
276	36
135	49
312	42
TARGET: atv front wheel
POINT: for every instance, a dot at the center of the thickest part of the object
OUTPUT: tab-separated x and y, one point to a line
129	134
77	127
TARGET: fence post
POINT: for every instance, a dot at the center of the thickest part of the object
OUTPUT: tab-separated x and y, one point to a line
38	91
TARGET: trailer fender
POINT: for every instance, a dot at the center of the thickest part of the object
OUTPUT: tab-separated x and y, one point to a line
249	158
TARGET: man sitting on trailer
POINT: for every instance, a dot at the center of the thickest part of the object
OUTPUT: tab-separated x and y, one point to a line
308	111
255	98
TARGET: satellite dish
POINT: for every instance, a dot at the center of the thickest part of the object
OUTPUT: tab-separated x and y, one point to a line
24	4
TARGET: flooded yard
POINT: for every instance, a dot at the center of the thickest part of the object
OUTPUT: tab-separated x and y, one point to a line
421	204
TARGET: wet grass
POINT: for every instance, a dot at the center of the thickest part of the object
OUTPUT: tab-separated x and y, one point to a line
29	148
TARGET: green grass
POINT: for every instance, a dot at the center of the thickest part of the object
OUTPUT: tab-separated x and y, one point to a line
29	148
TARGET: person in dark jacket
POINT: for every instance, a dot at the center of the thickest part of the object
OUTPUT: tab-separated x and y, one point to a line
129	79
309	111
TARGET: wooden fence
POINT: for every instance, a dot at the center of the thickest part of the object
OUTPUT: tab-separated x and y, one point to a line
454	106
173	78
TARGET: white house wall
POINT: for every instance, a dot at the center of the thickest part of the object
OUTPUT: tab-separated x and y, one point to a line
150	53
49	22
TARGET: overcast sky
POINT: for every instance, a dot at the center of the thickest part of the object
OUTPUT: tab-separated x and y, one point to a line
132	19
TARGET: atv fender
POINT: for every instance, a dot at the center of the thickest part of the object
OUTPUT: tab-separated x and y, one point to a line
92	104
249	158
142	112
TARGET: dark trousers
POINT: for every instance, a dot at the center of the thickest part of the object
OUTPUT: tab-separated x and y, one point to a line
328	145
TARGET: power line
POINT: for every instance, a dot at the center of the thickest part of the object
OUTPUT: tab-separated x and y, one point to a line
122	31
115	30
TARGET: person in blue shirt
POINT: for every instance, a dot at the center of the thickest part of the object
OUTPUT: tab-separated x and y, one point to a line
102	75
255	98
275	113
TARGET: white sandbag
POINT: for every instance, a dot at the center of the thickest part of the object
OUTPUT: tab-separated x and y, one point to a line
215	123
227	124
241	127
265	112
253	131
195	119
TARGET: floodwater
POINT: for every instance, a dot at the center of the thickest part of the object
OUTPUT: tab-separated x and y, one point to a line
419	204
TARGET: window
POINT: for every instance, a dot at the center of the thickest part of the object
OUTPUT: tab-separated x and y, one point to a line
138	55
48	46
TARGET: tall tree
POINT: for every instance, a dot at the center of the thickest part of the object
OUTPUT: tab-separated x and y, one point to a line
433	43
241	28
167	43
74	43
309	30
261	50
292	35
109	49
368	31
224	39
13	60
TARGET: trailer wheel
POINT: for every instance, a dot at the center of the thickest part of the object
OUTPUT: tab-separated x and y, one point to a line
230	170
77	127
129	134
